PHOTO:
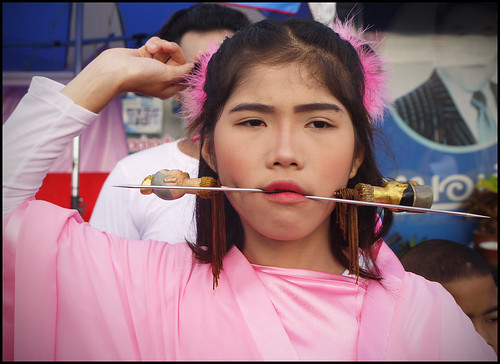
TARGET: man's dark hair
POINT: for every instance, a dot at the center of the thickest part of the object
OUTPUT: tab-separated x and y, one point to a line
202	17
444	261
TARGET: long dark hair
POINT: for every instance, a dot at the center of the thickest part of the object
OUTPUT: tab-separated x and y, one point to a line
333	62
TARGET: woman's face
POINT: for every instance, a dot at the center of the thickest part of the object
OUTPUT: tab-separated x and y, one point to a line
281	130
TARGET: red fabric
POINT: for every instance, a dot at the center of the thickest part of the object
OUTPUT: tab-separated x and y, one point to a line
56	188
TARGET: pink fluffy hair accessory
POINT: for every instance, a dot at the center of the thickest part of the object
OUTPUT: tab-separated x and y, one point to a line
194	97
376	99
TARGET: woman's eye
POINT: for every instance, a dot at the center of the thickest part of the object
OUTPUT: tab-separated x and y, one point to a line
253	122
492	320
319	124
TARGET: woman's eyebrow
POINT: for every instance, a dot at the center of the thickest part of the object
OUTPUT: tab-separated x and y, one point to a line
297	109
253	107
316	107
491	310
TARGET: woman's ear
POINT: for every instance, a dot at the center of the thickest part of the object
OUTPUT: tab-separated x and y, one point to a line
208	154
356	163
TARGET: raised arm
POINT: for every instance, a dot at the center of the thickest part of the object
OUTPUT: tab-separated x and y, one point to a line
120	70
51	115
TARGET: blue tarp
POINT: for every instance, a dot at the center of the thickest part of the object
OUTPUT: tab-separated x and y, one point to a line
45	29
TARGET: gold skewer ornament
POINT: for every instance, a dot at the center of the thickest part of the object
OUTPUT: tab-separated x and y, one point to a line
393	192
396	193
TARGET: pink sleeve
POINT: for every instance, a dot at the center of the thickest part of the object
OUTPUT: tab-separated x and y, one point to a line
64	279
38	131
428	324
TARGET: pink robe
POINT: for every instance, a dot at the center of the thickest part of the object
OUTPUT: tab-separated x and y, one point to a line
72	292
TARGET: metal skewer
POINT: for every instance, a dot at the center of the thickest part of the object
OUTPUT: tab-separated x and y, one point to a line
221	188
398	207
352	202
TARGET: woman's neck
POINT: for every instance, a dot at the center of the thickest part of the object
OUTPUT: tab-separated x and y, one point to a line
190	148
311	252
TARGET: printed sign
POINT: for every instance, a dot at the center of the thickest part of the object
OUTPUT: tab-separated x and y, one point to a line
142	114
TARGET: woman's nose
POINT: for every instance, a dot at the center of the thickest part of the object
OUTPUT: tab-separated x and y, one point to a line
285	148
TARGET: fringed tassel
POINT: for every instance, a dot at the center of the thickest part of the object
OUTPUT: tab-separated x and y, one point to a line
342	214
353	241
218	226
347	218
218	236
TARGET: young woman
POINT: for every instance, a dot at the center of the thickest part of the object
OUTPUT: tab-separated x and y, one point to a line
285	107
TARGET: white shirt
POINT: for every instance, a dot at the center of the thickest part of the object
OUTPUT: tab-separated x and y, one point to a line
128	213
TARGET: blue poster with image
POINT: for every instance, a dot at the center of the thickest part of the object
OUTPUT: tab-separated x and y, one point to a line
452	175
442	128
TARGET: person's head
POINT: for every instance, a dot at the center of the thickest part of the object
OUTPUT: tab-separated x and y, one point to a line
463	273
465	44
202	25
285	109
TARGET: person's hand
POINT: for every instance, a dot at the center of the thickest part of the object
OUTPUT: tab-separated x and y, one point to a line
156	69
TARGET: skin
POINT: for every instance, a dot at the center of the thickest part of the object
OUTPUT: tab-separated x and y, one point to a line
477	296
120	70
261	138
194	43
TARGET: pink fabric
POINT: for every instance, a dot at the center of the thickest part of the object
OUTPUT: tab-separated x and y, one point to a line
71	292
102	144
81	294
329	307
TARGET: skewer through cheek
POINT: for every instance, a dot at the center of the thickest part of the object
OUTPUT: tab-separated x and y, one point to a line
393	193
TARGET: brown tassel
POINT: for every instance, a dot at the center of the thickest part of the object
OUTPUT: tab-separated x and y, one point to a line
218	236
218	226
347	218
353	241
207	182
342	217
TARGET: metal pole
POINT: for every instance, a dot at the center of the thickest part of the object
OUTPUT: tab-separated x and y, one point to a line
75	174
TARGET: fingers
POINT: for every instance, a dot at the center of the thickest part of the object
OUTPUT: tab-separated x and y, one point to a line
182	70
168	82
164	51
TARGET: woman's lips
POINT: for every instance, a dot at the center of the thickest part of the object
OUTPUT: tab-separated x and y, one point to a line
285	192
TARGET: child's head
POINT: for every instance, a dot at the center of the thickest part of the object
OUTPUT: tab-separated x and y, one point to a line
465	274
307	58
201	24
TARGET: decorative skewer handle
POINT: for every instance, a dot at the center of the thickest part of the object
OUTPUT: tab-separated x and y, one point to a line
396	193
175	177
